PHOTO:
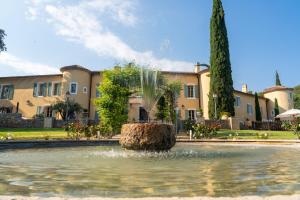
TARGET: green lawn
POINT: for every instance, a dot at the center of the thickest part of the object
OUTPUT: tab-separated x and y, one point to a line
33	133
252	134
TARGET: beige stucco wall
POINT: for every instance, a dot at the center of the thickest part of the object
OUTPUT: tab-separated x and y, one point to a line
23	93
241	111
82	78
284	101
204	92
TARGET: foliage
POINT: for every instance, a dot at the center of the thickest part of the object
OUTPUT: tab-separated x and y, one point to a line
39	116
225	114
171	92
221	82
162	111
203	131
2	44
151	80
257	109
263	135
278	82
67	109
276	107
7	136
293	125
76	130
189	124
117	85
297	97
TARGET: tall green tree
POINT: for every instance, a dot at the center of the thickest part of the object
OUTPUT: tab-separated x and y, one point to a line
257	109
116	87
276	107
171	92
2	44
221	83
278	82
297	97
162	110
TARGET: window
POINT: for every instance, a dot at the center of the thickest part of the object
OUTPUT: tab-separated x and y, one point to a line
291	96
191	91
42	89
57	89
73	88
50	89
249	109
7	92
237	102
84	90
192	114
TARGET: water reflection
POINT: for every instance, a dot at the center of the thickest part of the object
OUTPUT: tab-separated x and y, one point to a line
186	170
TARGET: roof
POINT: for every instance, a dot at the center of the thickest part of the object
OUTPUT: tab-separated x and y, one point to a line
249	94
74	67
276	88
30	76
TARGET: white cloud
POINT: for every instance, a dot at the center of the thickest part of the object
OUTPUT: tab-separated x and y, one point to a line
83	23
24	66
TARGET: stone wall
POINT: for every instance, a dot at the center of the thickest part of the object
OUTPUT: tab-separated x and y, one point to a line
15	120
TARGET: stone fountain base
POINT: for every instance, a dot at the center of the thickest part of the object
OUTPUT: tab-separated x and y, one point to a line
147	136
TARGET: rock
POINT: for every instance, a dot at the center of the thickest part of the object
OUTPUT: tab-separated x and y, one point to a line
147	136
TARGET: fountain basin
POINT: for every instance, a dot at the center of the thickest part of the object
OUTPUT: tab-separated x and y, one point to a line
147	136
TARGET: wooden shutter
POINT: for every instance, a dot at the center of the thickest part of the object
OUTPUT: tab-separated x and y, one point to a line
185	91
35	89
59	89
0	91
11	92
196	91
49	89
44	86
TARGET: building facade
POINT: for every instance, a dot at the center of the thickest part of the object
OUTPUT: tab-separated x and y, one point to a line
35	95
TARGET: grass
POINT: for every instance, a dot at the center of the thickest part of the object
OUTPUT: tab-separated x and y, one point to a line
33	133
59	133
253	134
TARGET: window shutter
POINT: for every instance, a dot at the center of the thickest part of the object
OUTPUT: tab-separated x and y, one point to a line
185	91
186	114
49	89
196	88
44	89
35	89
0	91
59	89
11	92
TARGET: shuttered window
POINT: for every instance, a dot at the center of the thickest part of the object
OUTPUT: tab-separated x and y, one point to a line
49	89
7	92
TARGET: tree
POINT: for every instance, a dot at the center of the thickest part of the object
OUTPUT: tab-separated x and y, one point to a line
297	97
278	82
221	82
2	44
276	107
67	109
162	110
117	85
171	92
257	109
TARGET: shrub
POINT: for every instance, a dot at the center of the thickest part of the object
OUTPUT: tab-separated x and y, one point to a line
292	126
76	130
203	131
262	135
189	125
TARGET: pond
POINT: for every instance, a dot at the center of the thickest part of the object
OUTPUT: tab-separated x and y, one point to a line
186	171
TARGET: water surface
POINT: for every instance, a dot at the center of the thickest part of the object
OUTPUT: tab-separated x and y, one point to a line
185	171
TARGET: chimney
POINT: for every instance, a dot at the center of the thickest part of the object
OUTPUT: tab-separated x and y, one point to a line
197	68
245	88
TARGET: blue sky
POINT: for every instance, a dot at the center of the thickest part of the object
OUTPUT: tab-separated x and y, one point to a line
44	35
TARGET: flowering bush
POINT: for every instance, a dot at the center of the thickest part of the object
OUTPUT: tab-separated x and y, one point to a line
292	126
203	131
76	130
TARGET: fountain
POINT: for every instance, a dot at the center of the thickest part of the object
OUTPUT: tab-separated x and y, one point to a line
148	136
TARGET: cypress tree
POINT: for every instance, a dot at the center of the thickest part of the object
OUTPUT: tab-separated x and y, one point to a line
278	82
276	108
2	44
221	82
257	109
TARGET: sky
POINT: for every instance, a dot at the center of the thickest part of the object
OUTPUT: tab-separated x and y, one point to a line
44	35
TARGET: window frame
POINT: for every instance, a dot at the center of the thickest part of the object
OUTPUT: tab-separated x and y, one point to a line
70	88
235	101
194	91
1	90
53	86
250	105
194	115
38	88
